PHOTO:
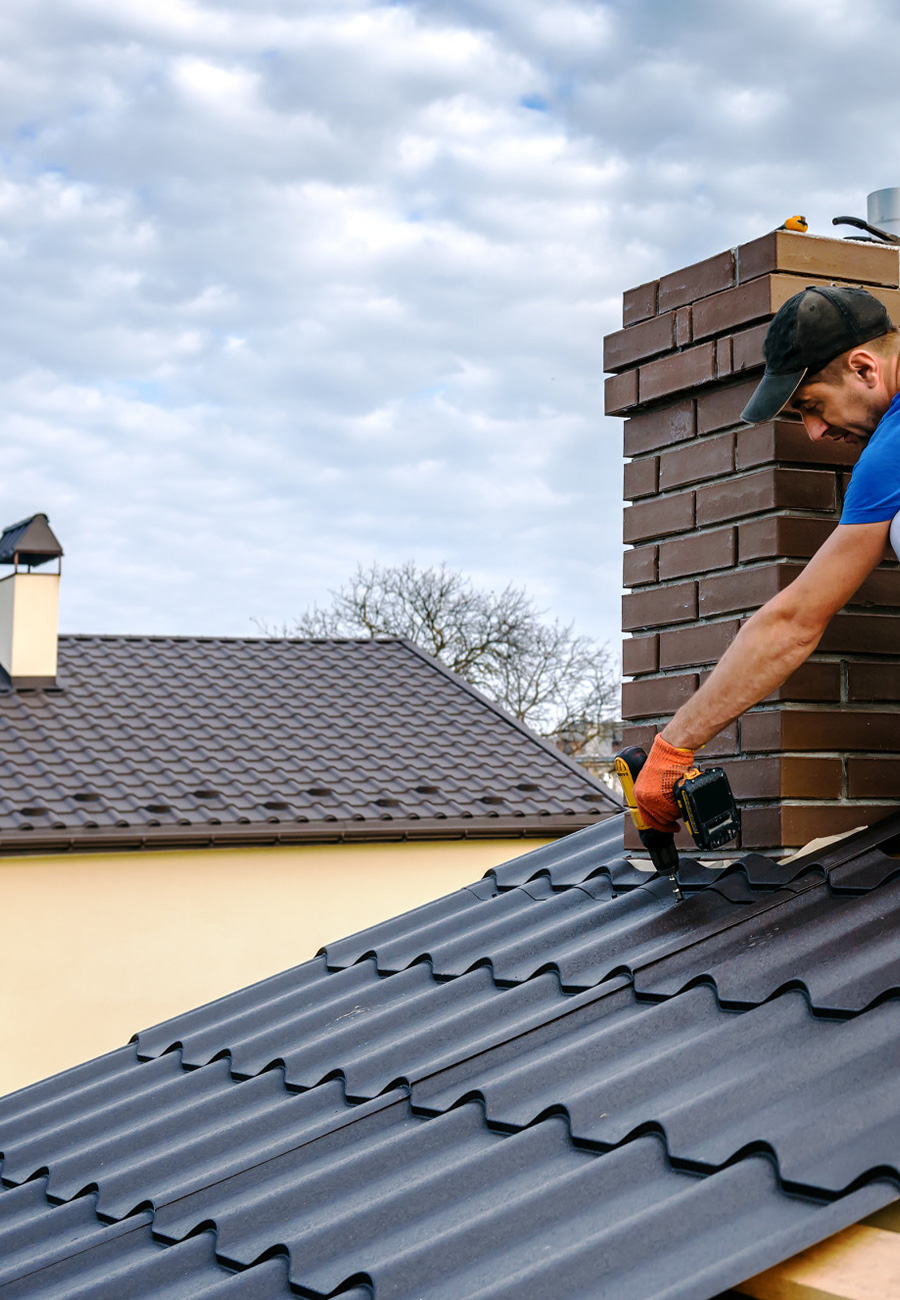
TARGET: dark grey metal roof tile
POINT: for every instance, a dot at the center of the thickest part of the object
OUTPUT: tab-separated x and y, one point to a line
373	1029
496	1198
617	1066
525	1215
80	1260
35	1234
840	948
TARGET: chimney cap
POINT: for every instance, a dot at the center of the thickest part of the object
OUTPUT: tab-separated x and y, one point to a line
31	541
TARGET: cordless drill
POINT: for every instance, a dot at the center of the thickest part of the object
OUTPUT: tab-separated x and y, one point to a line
704	800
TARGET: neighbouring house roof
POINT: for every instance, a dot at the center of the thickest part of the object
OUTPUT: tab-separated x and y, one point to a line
555	1082
199	740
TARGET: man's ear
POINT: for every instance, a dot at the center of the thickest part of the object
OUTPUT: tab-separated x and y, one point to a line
864	366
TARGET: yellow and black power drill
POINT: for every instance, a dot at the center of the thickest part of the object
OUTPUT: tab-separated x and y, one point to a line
704	800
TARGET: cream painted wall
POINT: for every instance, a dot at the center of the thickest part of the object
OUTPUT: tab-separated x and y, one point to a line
97	946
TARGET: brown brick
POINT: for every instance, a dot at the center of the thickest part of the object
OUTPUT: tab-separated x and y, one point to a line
741	589
664	605
701	459
677	372
747	349
765	489
721	745
659	518
881	588
640	654
816	681
642	734
698	553
786	777
639	303
657	696
723	358
819	729
792	825
756	300
873	681
722	406
652	430
684	332
648	339
792	537
868	634
641	477
640	566
733	307
621	392
783	440
696	645
697	281
835	259
804	822
874	778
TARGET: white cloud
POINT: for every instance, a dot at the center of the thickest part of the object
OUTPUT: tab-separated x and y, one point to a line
288	287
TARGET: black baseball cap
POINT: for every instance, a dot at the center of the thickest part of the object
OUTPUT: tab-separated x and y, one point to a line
811	329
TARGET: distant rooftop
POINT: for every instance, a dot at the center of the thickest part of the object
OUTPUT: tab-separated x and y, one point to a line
169	741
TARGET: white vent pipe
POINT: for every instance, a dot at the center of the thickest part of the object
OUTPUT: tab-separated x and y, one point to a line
883	210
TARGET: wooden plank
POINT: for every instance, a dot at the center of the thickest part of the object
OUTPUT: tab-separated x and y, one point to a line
860	1263
889	1217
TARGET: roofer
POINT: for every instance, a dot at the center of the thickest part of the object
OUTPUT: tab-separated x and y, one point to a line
833	357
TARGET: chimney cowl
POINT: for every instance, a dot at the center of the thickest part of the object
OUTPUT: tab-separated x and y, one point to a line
30	542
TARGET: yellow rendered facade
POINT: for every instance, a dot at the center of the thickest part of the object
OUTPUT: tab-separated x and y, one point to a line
99	945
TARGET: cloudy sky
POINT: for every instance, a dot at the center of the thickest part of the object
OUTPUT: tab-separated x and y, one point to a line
292	284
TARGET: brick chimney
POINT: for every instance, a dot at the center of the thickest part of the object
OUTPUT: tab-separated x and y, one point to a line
724	515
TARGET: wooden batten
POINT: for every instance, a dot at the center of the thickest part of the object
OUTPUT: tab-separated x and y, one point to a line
860	1263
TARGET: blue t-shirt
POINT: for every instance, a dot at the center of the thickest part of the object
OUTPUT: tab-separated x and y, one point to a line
874	491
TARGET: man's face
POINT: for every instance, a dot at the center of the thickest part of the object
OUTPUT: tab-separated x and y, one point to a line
848	412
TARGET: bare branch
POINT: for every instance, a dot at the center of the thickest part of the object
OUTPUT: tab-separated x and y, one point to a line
562	684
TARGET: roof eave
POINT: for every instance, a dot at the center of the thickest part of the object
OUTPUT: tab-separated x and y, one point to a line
381	831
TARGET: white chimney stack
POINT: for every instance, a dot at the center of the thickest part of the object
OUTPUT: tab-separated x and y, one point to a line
29	603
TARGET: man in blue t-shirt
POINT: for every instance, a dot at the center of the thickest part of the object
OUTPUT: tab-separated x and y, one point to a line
833	357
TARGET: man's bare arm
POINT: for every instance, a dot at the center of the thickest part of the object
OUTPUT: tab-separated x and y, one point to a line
780	636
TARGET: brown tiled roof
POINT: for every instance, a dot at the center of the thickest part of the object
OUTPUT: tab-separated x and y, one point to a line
192	740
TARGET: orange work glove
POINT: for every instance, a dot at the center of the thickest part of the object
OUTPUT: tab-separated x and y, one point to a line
654	788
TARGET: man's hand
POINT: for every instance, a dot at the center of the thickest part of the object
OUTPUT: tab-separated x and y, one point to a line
654	789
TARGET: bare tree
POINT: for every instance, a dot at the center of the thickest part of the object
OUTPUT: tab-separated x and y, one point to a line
562	684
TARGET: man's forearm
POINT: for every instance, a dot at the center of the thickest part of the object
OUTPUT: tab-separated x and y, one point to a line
768	648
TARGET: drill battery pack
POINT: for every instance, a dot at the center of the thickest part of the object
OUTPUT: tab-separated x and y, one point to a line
707	805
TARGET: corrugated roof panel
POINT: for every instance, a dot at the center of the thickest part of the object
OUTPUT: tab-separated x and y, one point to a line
613	1064
62	1252
697	1128
583	932
445	1208
616	1066
841	948
376	1028
171	1132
